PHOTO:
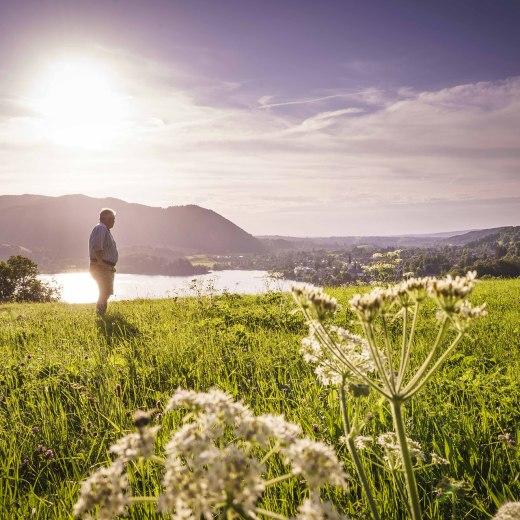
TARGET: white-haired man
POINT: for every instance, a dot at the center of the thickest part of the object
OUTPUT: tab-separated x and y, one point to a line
103	258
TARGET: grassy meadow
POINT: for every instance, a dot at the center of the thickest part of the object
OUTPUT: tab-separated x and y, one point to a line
69	384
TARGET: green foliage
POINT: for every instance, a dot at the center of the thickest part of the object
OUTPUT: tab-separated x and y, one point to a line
69	384
19	282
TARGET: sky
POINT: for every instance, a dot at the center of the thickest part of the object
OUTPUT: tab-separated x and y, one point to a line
288	117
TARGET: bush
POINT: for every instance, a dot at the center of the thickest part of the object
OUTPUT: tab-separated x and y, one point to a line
19	282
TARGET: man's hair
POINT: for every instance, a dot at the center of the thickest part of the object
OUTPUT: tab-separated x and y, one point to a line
105	212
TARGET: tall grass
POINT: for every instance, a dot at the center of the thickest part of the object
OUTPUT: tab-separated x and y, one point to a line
69	384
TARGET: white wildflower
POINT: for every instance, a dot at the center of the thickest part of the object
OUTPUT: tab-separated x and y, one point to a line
509	511
314	509
316	462
362	442
465	312
105	488
389	442
261	429
228	475
193	439
413	290
448	291
314	300
377	302
134	445
213	403
235	475
185	487
438	460
331	348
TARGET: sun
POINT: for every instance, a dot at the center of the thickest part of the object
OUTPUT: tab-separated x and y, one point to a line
79	105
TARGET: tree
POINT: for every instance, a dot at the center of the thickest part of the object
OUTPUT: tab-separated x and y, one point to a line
19	282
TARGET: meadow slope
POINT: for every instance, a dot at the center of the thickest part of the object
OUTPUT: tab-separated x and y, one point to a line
69	384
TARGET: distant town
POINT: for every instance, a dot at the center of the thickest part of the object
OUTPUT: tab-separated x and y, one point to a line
495	254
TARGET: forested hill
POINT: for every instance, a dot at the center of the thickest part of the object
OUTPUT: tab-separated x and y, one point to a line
59	227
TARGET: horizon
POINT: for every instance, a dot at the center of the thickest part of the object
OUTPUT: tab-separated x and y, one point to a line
297	119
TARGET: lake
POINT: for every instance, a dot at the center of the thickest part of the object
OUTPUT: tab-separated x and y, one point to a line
81	288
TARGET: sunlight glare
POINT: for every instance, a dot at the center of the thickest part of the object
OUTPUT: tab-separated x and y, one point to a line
79	106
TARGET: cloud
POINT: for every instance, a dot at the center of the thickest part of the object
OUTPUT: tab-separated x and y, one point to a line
265	101
363	157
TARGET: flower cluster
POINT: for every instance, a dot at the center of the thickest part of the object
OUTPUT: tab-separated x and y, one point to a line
337	353
437	460
204	472
315	509
314	301
448	292
393	456
211	462
316	462
135	445
105	488
509	511
377	302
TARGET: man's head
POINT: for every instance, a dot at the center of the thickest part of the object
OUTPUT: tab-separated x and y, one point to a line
107	217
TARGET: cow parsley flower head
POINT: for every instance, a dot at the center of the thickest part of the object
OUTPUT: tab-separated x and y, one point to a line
314	509
465	313
362	442
509	511
437	460
263	428
335	351
377	302
134	445
448	292
193	439
214	403
314	300
316	462
185	487
389	442
214	477
105	488
413	290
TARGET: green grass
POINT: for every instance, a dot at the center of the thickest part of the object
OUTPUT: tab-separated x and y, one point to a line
78	380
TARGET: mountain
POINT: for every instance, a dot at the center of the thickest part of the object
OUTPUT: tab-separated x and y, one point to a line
459	238
56	229
473	236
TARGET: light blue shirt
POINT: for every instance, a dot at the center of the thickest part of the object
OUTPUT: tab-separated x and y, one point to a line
102	240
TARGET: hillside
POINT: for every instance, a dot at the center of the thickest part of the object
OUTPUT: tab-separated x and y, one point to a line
281	243
56	229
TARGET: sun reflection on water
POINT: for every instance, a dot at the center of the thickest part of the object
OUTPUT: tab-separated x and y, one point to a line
81	287
76	287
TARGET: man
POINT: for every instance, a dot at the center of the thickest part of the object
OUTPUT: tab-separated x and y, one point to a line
103	258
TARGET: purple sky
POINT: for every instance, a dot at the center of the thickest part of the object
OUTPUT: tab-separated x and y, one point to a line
287	117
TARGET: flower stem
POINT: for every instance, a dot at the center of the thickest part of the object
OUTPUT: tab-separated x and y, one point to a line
405	359
276	480
410	393
354	453
137	500
367	329
411	484
389	355
417	377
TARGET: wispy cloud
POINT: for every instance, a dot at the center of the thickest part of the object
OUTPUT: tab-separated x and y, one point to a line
265	101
